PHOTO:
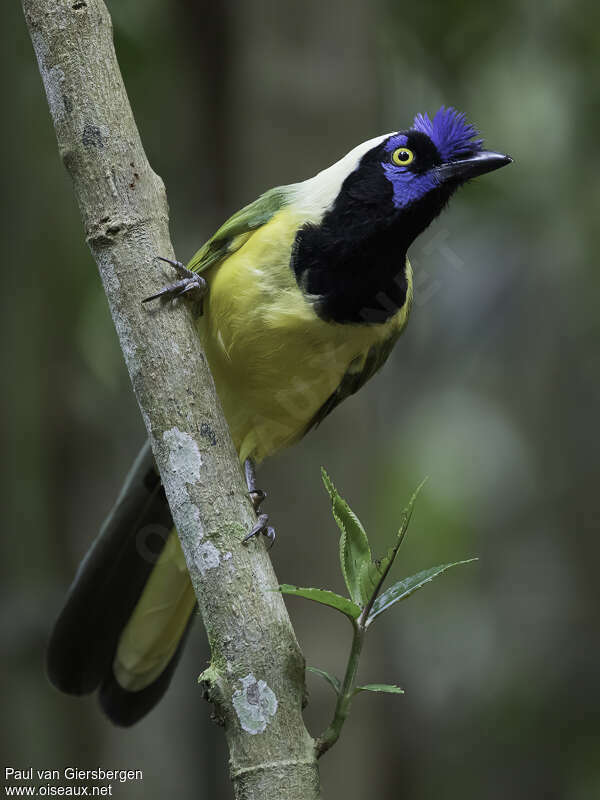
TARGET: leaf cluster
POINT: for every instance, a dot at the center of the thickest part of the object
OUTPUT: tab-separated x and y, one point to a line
364	576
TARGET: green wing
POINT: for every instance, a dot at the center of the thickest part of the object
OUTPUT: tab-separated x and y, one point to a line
360	371
236	231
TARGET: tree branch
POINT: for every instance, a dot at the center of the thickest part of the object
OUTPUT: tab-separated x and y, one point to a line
256	678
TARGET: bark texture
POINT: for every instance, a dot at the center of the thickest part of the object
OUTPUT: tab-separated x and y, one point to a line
256	678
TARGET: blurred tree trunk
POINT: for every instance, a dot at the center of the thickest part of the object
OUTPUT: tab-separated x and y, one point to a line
206	26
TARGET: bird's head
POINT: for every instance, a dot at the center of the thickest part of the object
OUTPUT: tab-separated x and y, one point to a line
367	209
404	179
434	157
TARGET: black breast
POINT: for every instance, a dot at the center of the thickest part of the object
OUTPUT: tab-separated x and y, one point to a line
353	281
353	262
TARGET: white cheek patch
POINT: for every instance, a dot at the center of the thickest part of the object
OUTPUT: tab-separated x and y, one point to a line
317	194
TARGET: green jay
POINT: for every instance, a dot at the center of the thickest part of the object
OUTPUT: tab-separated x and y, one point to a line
306	291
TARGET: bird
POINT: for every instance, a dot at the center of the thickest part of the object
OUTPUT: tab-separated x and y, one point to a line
303	294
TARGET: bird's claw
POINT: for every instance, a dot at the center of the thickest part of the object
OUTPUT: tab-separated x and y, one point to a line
257	496
178	266
189	282
262	526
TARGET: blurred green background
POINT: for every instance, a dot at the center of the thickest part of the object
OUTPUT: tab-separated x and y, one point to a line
493	391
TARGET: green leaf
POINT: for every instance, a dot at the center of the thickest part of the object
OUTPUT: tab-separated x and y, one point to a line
374	573
371	576
355	553
379	687
403	589
325	597
331	679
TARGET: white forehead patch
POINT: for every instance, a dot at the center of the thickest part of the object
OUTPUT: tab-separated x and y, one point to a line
317	194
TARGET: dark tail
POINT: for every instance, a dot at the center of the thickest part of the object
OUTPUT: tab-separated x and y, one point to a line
105	592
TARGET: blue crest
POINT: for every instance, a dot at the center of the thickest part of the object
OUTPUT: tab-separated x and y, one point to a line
450	132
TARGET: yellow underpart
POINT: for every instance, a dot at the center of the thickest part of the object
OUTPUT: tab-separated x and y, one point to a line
274	363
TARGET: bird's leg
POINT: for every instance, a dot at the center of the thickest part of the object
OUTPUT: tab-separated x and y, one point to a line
189	282
257	496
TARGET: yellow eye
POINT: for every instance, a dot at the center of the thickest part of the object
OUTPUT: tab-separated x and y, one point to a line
403	156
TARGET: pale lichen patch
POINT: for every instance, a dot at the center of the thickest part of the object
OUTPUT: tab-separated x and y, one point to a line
185	464
111	281
127	342
52	77
206	556
255	703
184	455
112	286
55	78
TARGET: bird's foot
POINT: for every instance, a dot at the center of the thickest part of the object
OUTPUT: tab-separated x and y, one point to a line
262	526
189	282
257	496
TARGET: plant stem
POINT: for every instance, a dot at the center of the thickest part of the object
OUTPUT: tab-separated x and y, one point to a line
342	708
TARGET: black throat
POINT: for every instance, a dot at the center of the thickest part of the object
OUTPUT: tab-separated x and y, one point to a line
354	261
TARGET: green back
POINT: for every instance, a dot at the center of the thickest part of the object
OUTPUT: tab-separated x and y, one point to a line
229	237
